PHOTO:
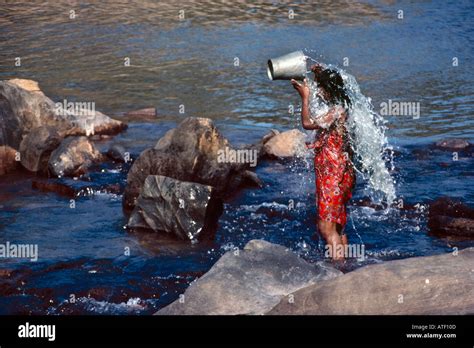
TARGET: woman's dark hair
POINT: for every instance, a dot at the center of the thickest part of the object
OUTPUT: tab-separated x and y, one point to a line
332	83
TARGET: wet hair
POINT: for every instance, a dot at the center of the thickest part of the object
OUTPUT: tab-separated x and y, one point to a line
332	83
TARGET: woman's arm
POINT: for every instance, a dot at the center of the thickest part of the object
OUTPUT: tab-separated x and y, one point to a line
303	90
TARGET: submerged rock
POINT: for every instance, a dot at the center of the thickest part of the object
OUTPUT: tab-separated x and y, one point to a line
73	157
117	153
441	285
191	152
450	217
185	209
56	187
249	281
24	107
287	144
146	114
36	148
452	144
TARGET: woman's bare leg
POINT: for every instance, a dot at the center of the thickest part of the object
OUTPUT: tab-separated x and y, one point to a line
329	232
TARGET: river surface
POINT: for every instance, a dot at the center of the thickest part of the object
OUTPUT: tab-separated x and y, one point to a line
212	63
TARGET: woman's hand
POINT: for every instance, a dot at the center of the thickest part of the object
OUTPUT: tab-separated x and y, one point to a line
302	88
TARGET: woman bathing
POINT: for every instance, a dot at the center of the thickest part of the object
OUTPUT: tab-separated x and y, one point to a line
335	176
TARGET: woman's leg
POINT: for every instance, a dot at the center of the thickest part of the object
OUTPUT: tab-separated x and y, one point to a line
329	232
340	231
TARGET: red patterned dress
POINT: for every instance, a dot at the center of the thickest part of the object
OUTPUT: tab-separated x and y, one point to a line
335	177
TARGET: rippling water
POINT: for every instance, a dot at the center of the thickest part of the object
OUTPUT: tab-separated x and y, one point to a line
191	62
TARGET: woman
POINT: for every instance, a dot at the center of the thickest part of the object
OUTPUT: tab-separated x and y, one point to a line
335	177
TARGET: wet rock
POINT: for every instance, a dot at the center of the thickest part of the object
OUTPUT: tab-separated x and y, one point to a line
73	157
185	209
24	107
448	216
190	152
452	144
8	162
441	285
251	281
147	114
36	148
287	144
116	153
56	187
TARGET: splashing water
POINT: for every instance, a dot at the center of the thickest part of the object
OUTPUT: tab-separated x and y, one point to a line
366	130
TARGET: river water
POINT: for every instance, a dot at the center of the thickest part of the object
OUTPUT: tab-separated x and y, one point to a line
211	62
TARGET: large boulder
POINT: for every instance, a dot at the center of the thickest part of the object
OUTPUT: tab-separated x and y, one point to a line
23	107
36	147
184	209
8	159
441	285
249	281
191	152
286	144
451	217
73	157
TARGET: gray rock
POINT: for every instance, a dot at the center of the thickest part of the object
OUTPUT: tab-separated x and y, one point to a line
73	157
441	284
185	209
450	217
36	148
286	144
189	152
251	281
116	153
24	107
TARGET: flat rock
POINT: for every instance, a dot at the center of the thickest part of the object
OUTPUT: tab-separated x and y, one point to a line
441	285
184	209
23	107
250	281
452	144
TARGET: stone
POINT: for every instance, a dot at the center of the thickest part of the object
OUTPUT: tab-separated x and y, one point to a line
286	144
36	148
23	107
8	162
189	152
73	157
431	285
250	281
452	144
184	209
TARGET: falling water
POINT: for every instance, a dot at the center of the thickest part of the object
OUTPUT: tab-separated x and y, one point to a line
366	130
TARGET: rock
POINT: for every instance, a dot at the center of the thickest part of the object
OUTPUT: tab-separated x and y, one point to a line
251	281
116	153
24	107
73	157
190	152
56	187
452	144
8	162
287	144
441	285
36	147
185	209
448	216
141	114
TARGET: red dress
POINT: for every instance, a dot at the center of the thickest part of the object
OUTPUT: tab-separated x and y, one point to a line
335	177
